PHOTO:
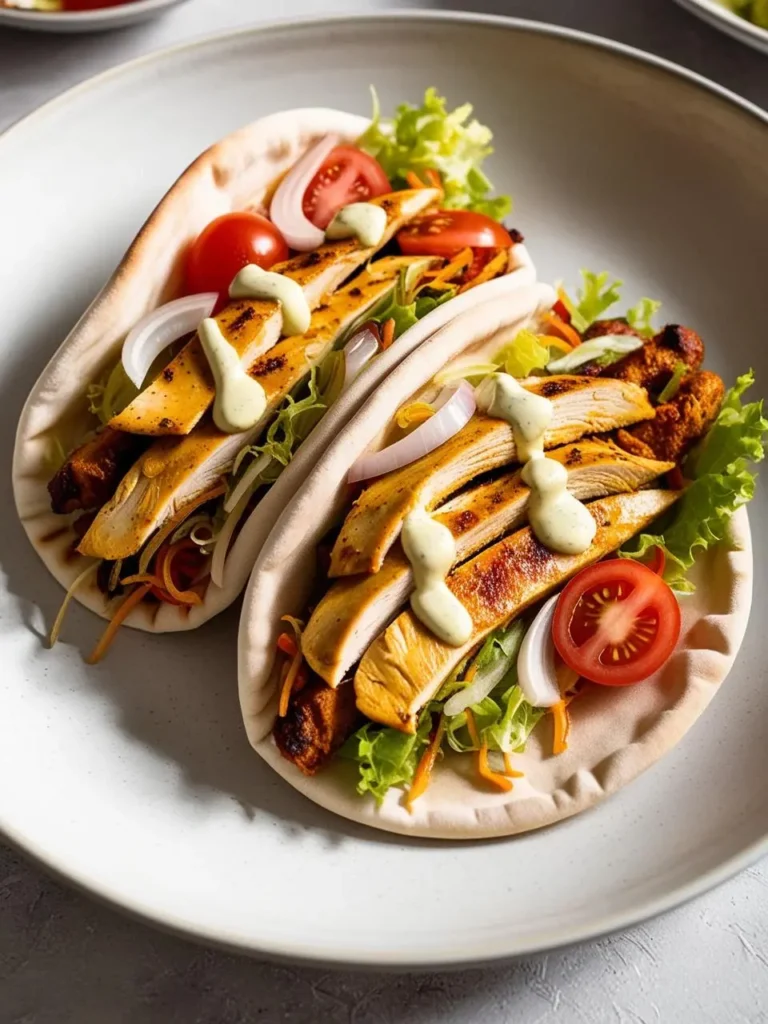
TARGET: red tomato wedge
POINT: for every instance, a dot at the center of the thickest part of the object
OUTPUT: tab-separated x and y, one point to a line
228	244
445	232
348	176
616	623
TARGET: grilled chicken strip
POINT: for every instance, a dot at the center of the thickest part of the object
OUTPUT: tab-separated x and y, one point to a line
356	609
92	472
679	423
404	668
652	365
179	396
176	469
318	721
580	406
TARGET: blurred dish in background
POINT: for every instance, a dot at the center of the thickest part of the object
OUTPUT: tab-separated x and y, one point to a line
745	20
79	15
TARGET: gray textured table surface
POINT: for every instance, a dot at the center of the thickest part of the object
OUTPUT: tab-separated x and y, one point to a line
64	959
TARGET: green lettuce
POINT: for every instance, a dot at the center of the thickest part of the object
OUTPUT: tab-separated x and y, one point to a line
523	355
431	137
597	294
406	313
755	11
722	482
641	315
672	386
387	757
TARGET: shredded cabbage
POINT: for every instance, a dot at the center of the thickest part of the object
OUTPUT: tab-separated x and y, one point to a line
431	137
523	355
108	397
722	482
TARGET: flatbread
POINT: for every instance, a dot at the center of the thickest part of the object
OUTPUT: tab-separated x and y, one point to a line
616	732
237	173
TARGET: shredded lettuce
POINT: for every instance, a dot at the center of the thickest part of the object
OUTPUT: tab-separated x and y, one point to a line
597	294
109	396
523	355
606	349
504	719
640	316
722	482
431	137
406	313
672	386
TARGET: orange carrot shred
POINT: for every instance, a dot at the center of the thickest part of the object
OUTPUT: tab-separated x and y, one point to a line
483	767
423	774
387	333
165	531
290	678
565	330
508	768
122	613
287	644
433	178
561	727
182	596
414	180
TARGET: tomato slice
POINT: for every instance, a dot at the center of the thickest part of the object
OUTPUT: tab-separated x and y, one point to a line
445	232
228	244
348	176
616	623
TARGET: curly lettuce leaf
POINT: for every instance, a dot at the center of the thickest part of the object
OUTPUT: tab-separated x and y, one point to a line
431	137
386	757
523	355
722	482
407	313
640	316
596	295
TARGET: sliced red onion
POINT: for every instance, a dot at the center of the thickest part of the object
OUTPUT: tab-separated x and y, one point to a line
286	210
358	351
455	407
160	328
536	667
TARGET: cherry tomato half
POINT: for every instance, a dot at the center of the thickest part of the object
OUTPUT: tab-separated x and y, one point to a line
445	232
228	244
348	176
616	623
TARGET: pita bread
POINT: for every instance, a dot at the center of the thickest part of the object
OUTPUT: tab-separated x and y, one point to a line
616	733
237	173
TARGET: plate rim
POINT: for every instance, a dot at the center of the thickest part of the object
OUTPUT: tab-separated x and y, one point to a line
499	950
722	18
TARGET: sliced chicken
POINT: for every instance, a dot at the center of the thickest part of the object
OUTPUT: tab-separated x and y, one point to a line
406	665
176	469
581	406
356	609
179	396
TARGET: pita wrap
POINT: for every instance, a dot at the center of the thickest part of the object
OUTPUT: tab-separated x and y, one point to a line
238	173
616	732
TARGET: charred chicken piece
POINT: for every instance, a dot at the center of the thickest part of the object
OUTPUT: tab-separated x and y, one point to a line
652	365
319	719
679	423
92	472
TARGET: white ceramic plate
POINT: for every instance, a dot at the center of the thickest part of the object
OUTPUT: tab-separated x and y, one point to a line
134	780
85	21
718	15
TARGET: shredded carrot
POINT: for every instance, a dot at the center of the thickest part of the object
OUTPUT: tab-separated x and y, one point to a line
460	261
182	596
122	613
483	767
564	330
143	577
553	342
433	178
414	180
287	645
165	531
509	770
423	774
285	693
387	333
561	724
493	268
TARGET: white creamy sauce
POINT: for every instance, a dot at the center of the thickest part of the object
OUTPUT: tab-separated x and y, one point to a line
363	221
254	283
529	415
240	400
431	550
559	520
